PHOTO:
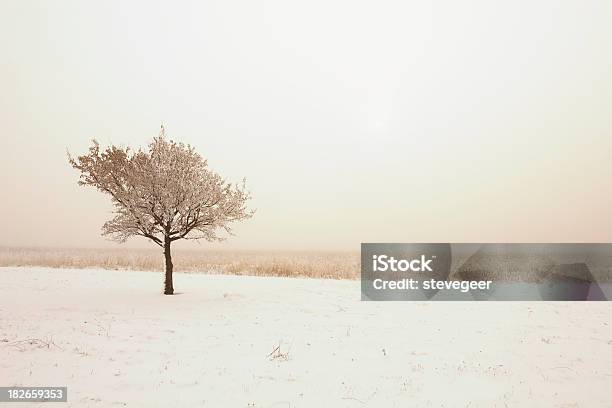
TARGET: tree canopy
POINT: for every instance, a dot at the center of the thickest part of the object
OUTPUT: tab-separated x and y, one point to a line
165	193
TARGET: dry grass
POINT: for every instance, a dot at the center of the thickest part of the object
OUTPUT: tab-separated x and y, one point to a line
331	265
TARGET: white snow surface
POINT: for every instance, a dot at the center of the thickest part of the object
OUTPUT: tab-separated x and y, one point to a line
114	340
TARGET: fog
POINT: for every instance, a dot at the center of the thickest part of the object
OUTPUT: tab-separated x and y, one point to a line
379	121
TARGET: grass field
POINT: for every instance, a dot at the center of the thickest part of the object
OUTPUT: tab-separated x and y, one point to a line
322	264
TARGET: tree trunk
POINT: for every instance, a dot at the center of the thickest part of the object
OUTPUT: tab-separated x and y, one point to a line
168	287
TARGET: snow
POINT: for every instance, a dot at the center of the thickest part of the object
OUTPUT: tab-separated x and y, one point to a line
115	340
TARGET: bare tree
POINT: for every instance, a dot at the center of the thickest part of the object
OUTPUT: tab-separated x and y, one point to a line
164	194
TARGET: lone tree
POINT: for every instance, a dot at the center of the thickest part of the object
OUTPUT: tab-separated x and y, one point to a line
164	194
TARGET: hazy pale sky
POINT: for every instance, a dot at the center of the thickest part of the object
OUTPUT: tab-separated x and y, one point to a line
390	121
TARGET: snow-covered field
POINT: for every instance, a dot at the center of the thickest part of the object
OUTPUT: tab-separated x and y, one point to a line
114	340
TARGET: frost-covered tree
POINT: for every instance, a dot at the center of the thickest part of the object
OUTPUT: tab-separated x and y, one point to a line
165	193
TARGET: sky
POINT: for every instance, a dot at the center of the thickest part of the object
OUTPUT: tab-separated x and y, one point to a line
353	121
